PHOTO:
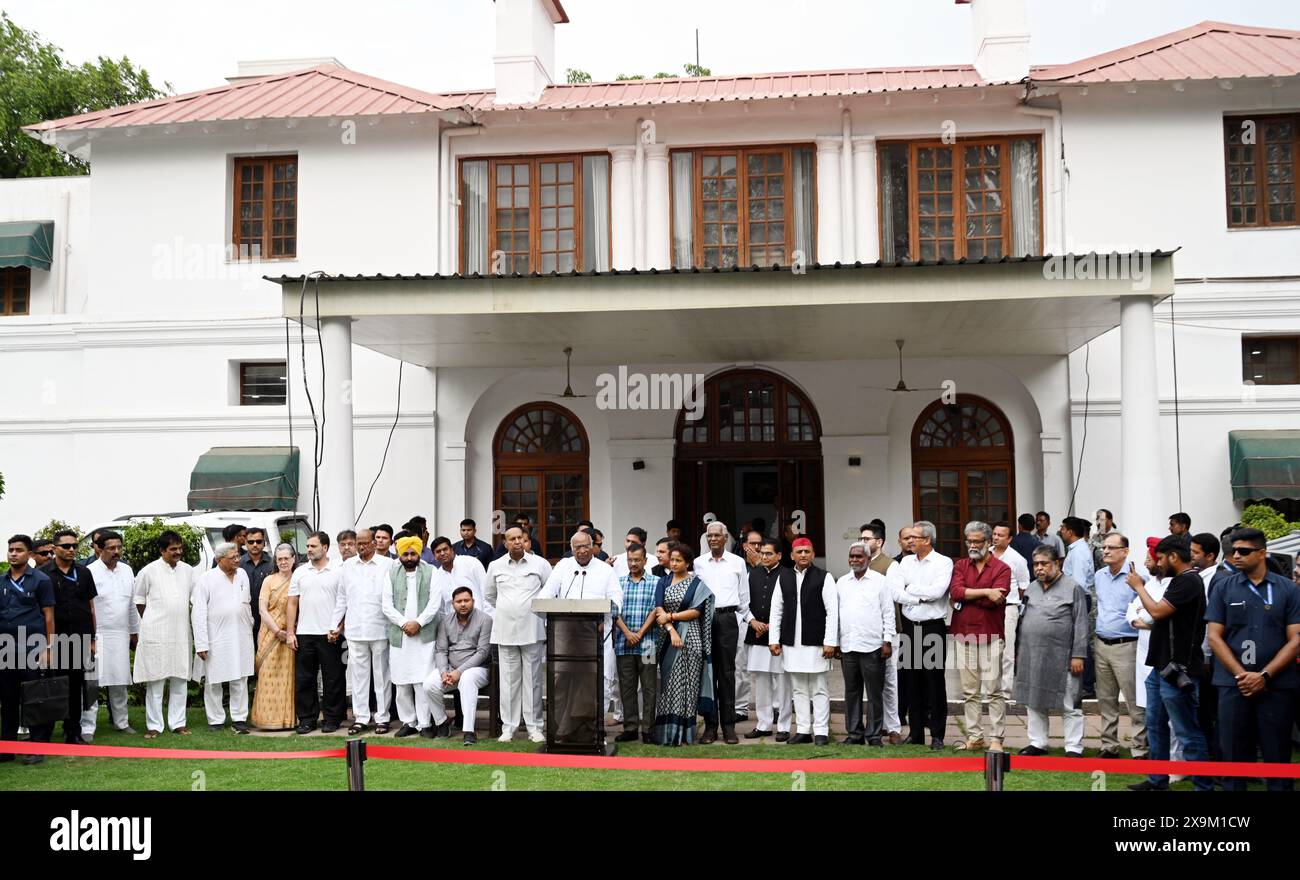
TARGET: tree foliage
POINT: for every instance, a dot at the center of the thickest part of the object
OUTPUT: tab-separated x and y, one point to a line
46	532
1269	521
573	75
140	542
37	84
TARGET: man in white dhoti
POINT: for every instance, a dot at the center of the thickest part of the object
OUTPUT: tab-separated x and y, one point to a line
223	637
361	594
164	651
771	684
803	632
415	598
583	576
513	581
461	656
117	627
462	571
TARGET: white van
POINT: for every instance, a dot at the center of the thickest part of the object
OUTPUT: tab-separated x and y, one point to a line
282	527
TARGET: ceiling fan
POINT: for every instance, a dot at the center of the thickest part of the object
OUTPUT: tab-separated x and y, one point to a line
902	386
568	382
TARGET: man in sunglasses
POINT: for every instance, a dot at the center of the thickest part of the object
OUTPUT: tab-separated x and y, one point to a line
74	615
257	563
42	552
1254	628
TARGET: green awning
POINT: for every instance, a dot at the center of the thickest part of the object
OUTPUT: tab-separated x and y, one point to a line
245	478
27	243
1264	464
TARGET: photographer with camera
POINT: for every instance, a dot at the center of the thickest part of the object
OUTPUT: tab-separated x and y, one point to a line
1175	658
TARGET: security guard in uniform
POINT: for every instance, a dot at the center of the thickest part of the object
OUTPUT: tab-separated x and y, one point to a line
1254	628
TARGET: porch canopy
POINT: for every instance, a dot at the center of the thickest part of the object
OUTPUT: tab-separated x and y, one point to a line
1017	306
1264	464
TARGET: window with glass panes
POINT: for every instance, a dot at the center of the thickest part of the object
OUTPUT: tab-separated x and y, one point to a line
263	384
536	221
1260	153
1270	360
540	459
745	206
15	290
266	207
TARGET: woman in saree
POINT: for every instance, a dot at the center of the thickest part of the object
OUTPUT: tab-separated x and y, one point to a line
274	663
684	612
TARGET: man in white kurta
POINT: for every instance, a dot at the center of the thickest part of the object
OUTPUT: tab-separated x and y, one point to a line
513	581
117	626
164	651
361	597
223	637
583	576
806	646
462	571
424	595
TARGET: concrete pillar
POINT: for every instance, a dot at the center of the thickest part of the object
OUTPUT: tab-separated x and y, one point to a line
658	245
337	488
622	203
866	211
1140	466
828	200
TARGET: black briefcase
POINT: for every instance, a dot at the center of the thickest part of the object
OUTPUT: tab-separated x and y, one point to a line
45	700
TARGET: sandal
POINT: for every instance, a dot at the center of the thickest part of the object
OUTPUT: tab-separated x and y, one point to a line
381	728
357	729
151	734
182	731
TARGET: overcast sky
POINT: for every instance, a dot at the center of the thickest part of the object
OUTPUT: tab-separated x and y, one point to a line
447	44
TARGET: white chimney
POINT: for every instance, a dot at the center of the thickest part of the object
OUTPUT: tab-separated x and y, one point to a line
1001	36
525	50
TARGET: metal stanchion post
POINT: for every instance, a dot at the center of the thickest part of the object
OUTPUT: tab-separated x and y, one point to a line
356	755
996	764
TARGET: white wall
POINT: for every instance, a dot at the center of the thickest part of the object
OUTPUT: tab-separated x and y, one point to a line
66	201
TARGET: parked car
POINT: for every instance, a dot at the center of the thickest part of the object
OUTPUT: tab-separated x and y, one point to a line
287	527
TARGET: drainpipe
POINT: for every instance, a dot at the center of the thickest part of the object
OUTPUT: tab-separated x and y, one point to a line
638	202
1055	168
447	263
848	249
61	288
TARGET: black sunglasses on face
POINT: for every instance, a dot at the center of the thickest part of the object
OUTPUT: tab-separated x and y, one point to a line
1245	551
66	546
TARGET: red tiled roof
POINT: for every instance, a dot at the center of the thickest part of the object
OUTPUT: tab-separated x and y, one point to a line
326	90
1209	50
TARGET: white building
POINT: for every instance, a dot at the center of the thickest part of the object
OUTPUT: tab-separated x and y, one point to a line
613	219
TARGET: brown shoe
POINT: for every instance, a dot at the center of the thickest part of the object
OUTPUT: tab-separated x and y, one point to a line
182	731
729	736
970	744
710	735
894	738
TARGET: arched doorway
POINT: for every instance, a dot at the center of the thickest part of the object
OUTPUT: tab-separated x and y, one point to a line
963	468
755	452
540	468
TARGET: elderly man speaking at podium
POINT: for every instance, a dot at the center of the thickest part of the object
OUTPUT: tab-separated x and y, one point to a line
582	576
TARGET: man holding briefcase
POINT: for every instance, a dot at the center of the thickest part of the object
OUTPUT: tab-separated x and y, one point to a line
27	623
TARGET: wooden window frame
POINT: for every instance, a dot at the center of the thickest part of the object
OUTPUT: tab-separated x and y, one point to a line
959	200
8	287
742	153
1233	123
1294	339
242	249
243	381
534	232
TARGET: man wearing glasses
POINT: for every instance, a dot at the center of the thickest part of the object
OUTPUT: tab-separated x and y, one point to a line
42	553
74	615
1114	645
1254	629
257	564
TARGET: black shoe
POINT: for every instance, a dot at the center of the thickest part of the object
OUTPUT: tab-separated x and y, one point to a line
783	736
329	727
428	732
913	741
729	736
1069	754
74	740
1032	751
306	727
853	741
710	735
627	736
240	726
1108	755
800	739
216	728
33	759
740	716
470	738
820	740
7	757
878	743
756	733
443	729
407	730
1147	785
645	738
936	745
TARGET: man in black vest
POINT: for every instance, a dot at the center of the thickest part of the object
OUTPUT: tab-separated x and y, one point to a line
771	684
803	632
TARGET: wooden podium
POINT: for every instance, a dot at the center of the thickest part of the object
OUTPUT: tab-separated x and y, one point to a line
575	676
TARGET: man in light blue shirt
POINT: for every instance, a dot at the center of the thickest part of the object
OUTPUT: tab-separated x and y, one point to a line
1079	566
1114	646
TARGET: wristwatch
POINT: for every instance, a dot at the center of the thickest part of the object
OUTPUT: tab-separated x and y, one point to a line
1267	678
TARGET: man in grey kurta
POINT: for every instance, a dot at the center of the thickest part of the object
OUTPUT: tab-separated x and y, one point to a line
1052	643
462	655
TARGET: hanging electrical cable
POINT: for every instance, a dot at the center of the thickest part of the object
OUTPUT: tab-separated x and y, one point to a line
396	415
1178	443
1083	443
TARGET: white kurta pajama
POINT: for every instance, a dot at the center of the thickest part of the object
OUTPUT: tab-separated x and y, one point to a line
116	620
223	627
805	664
411	663
361	595
518	634
164	651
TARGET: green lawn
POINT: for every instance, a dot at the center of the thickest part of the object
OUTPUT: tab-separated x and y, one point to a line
329	774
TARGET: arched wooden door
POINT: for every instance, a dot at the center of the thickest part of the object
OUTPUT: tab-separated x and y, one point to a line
755	452
540	468
963	468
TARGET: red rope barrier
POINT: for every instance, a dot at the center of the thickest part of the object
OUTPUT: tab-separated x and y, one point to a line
1145	767
35	748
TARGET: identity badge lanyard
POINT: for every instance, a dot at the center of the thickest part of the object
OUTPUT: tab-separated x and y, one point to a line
1268	603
